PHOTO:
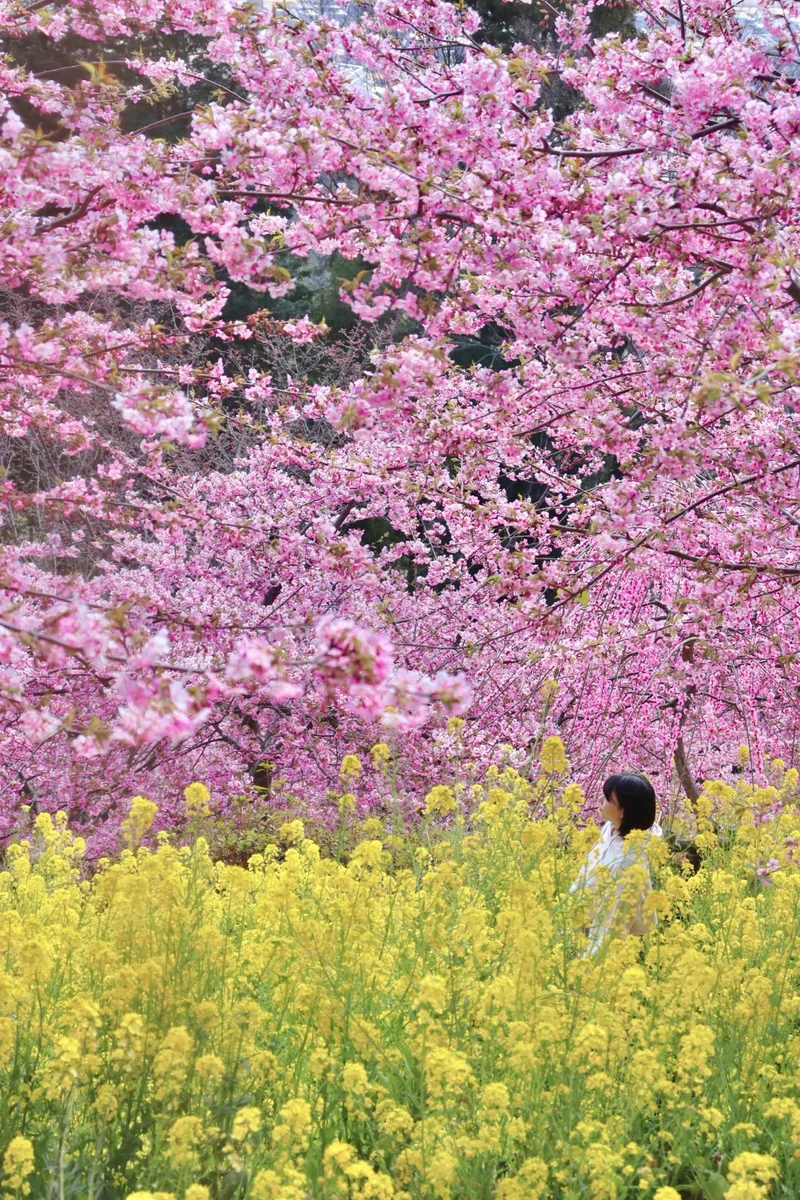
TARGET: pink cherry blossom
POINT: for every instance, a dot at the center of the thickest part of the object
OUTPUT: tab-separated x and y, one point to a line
556	488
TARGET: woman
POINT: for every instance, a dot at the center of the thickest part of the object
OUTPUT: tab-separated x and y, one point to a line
616	875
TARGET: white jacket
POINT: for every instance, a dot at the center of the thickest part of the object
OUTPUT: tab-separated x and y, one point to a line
613	855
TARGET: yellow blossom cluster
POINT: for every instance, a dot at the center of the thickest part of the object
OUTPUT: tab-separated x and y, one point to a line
417	1020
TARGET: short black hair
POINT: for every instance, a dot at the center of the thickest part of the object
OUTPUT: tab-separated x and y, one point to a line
636	797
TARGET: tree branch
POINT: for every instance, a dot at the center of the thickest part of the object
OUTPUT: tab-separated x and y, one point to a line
680	757
679	299
75	214
587	154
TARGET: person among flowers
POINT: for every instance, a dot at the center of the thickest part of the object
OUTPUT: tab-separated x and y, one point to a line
615	878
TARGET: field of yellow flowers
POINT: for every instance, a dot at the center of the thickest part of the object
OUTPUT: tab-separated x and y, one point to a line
414	1021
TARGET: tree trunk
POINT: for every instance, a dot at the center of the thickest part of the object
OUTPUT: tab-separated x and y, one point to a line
680	756
685	772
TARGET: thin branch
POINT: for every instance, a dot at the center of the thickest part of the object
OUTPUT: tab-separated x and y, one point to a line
656	95
587	154
731	123
722	565
75	214
214	83
682	21
682	512
107	62
164	121
38	4
679	299
731	487
290	196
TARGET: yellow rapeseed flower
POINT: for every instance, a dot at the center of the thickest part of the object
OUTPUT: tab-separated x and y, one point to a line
440	801
762	1168
432	991
18	1165
292	832
529	1183
140	818
381	756
351	767
355	1080
553	756
198	799
420	991
183	1142
296	1114
347	804
246	1122
172	1062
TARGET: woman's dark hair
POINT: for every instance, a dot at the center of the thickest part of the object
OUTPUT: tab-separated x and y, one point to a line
636	798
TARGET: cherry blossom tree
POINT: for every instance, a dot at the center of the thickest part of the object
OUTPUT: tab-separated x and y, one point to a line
595	532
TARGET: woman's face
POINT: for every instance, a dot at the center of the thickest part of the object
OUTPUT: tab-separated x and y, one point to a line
611	810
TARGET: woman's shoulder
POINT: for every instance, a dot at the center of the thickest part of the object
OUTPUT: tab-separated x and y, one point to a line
628	853
611	846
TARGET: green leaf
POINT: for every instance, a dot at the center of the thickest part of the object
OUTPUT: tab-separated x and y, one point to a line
715	1185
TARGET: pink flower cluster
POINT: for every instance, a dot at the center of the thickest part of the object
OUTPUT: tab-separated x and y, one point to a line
589	526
